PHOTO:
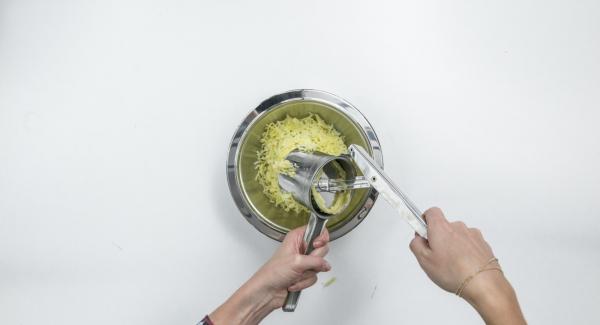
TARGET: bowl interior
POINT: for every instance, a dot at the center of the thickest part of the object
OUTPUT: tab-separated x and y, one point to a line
252	191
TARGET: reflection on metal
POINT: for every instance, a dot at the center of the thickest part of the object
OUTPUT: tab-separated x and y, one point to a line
247	193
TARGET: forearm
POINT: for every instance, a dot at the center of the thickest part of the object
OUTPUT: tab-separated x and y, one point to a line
247	306
497	302
267	288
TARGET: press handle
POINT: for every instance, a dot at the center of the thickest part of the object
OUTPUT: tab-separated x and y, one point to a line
388	190
313	230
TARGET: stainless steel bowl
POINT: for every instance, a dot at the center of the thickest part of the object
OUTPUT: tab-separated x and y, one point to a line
248	194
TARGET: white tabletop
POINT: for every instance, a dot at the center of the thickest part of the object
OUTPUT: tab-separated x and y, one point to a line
116	116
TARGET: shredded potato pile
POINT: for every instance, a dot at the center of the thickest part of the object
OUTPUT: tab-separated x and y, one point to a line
306	134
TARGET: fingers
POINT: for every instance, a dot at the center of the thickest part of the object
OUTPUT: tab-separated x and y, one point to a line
476	232
459	227
434	216
306	275
436	221
419	247
296	233
321	251
437	227
322	240
294	239
320	244
294	242
303	284
304	263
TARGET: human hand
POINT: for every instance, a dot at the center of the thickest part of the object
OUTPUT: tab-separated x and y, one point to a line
454	252
287	270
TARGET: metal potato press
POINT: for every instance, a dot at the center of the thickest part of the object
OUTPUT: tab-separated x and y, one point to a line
321	182
356	177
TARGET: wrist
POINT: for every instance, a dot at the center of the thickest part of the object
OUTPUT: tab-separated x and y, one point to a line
263	297
248	305
485	288
494	298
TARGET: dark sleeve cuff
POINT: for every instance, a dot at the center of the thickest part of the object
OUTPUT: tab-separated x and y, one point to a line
206	321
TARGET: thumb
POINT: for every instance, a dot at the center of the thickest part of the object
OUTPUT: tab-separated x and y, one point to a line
304	263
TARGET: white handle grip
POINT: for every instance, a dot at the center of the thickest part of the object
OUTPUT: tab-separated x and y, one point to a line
388	190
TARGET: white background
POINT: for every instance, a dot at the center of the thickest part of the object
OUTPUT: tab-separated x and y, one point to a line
116	116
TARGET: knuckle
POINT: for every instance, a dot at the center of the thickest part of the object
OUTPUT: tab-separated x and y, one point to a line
412	245
299	230
433	216
459	225
433	212
434	209
297	261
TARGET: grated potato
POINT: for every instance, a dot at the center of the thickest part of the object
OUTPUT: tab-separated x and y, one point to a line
307	134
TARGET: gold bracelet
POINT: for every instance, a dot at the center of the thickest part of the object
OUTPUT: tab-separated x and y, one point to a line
479	270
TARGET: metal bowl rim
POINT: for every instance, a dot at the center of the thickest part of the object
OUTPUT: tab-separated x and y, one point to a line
337	103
